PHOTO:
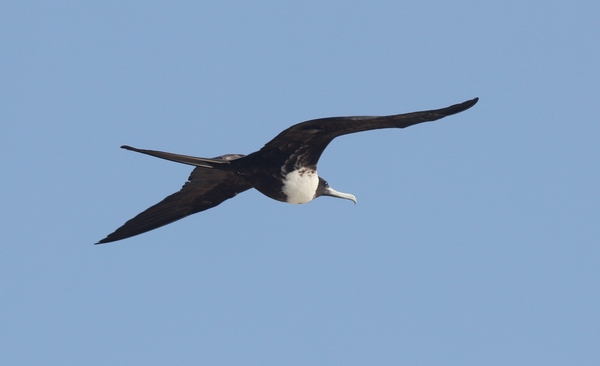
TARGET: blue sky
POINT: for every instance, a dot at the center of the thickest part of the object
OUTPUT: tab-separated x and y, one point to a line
475	239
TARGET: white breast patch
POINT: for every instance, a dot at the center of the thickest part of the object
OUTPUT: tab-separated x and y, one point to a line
300	185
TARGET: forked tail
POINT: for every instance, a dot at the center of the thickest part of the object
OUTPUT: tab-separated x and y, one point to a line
186	159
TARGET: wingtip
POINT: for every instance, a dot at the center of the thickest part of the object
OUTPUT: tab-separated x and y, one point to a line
474	101
461	107
471	102
106	240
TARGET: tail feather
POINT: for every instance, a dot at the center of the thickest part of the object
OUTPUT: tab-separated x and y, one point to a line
184	159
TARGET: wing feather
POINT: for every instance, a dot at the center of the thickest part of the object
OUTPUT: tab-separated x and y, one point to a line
303	143
205	188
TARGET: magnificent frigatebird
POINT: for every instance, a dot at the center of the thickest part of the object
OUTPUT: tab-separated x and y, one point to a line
285	169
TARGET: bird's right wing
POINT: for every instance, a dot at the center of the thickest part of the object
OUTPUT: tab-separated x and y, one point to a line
302	144
205	188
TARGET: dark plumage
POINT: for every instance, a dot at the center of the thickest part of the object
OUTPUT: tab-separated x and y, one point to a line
285	169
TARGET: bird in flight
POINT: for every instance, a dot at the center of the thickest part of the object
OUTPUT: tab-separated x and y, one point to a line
285	169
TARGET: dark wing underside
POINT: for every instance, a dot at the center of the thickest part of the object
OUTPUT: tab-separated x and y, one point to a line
205	188
303	143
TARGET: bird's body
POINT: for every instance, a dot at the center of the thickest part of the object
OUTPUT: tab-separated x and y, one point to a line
285	169
300	185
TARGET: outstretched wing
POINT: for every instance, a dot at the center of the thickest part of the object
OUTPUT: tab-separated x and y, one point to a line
205	188
303	143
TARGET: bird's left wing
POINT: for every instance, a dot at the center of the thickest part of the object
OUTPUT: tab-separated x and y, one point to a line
205	188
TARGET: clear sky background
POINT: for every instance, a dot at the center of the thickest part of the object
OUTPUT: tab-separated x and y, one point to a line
475	240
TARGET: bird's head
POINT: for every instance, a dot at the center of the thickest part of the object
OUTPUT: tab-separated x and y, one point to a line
323	189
